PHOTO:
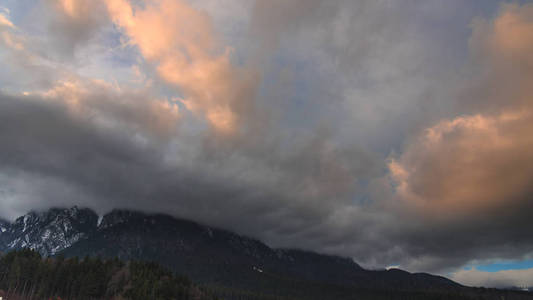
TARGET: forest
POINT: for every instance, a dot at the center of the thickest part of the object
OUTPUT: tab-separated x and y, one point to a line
25	274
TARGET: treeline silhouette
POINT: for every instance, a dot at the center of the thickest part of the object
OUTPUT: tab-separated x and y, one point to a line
24	274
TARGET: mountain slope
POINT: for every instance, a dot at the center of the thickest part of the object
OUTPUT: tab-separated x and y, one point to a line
215	256
206	254
226	261
48	232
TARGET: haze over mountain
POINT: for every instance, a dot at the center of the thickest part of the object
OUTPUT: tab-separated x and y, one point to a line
204	253
216	257
395	133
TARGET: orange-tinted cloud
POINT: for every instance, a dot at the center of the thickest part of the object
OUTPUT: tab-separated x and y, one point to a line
468	163
508	38
180	41
109	106
7	38
5	22
480	162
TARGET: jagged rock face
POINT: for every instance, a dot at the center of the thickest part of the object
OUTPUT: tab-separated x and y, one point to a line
49	232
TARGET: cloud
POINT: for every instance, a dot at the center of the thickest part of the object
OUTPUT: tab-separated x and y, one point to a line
470	174
80	138
273	20
468	165
7	36
136	111
180	40
499	279
73	23
479	162
506	41
4	22
281	124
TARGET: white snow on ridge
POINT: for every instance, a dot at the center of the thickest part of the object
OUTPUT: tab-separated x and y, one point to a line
48	233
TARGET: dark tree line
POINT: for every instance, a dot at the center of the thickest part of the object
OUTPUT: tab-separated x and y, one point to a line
25	274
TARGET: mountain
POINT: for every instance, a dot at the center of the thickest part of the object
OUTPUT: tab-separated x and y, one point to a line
209	256
4	225
212	255
48	232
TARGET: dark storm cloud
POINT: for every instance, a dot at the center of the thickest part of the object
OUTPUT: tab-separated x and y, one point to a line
104	167
303	158
469	176
109	167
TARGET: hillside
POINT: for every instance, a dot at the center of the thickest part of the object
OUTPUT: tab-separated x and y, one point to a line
226	263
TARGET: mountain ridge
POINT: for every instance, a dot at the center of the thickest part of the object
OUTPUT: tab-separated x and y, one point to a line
208	255
48	232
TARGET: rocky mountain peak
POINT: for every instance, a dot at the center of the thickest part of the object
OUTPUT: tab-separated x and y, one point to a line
206	254
49	232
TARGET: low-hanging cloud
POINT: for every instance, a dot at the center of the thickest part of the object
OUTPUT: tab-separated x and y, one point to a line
500	279
474	171
300	125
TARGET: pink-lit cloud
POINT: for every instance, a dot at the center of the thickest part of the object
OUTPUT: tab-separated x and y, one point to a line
480	162
181	42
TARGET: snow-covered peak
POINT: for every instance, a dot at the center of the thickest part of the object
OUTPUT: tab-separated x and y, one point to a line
51	231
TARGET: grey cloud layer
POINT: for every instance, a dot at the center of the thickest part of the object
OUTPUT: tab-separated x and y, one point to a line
501	279
342	85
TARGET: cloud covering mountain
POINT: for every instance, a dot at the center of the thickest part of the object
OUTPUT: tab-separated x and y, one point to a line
396	133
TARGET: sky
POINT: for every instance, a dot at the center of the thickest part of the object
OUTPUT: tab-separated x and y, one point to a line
398	133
